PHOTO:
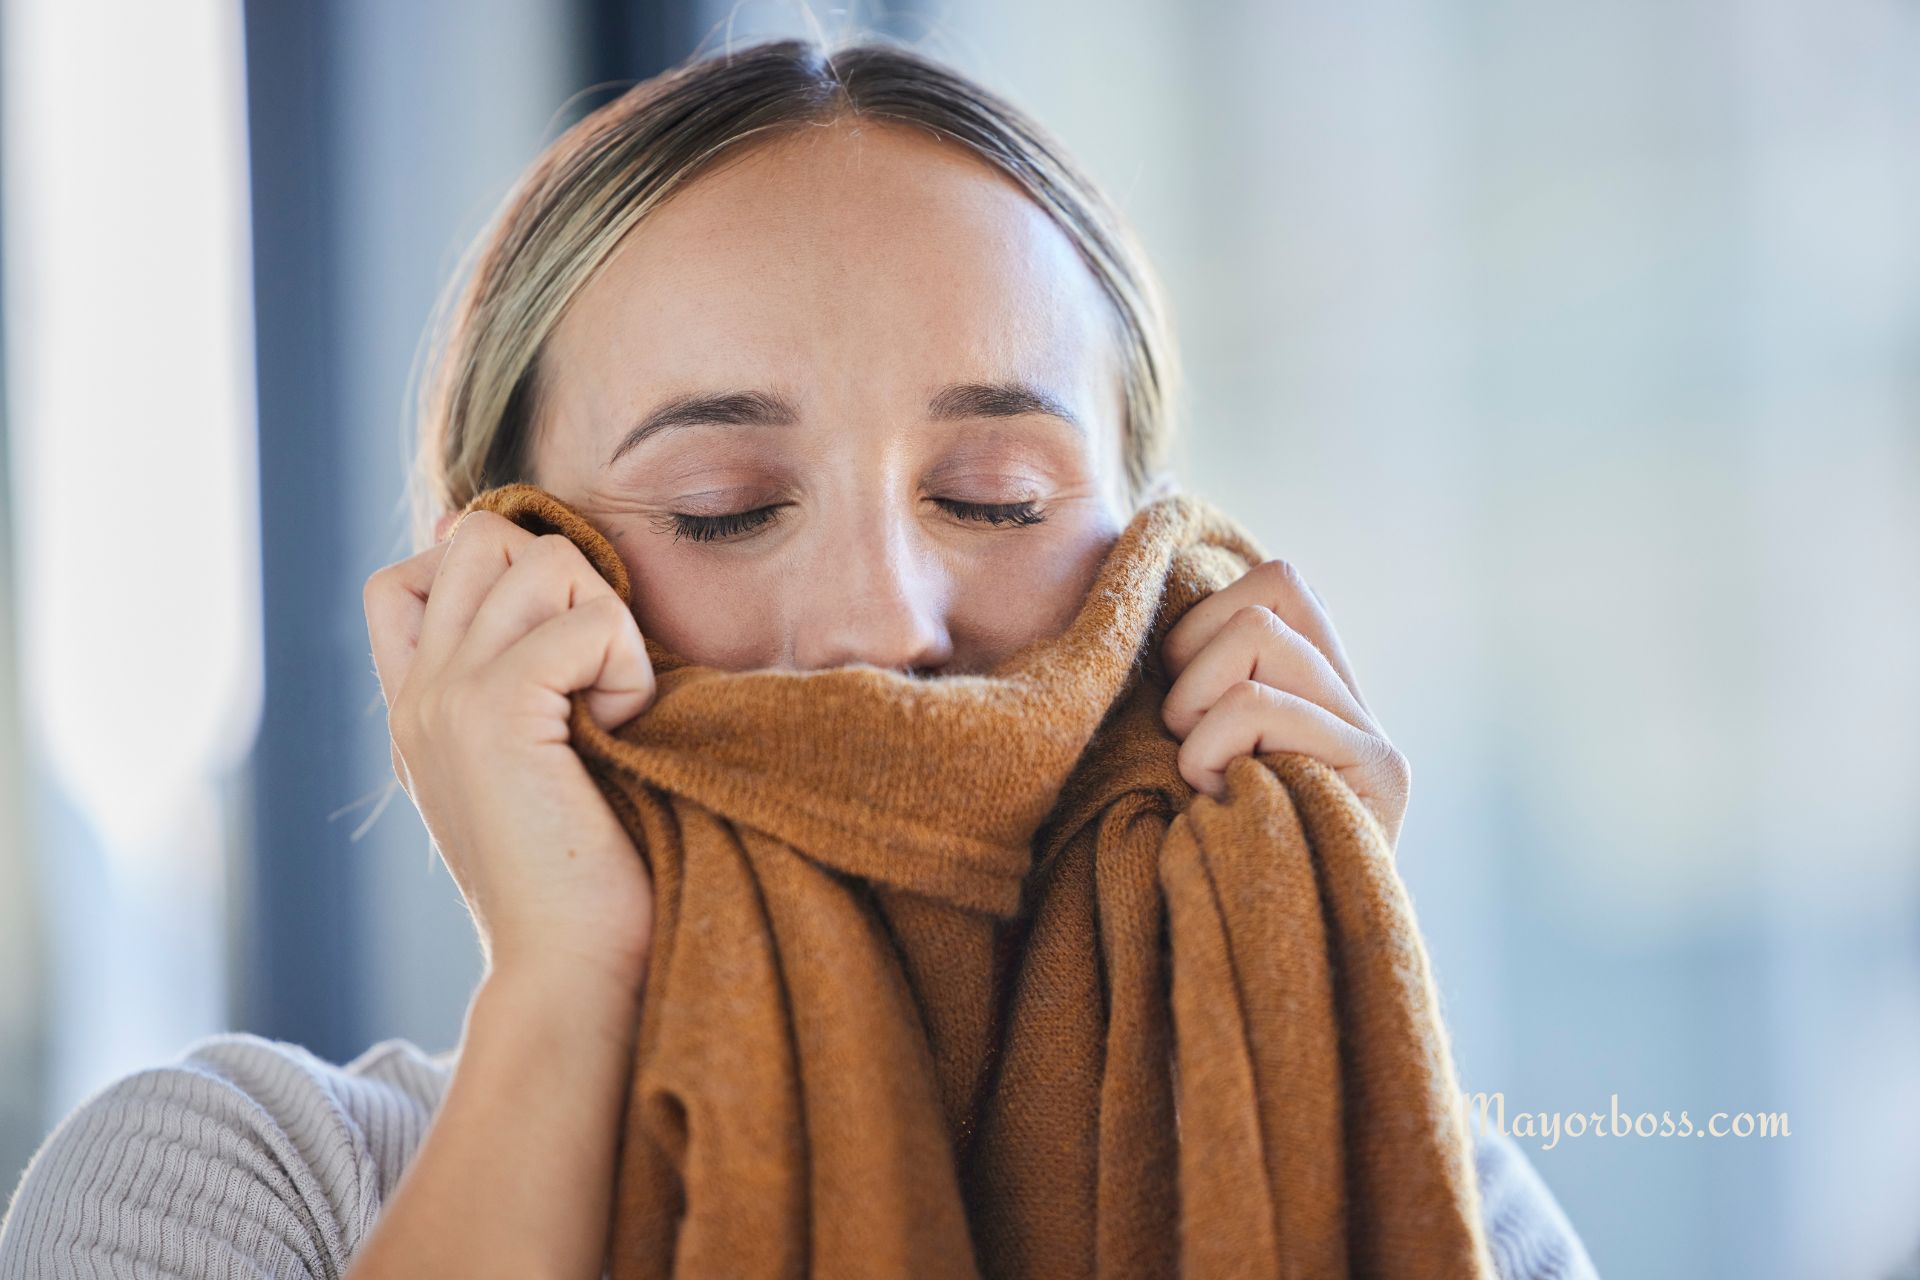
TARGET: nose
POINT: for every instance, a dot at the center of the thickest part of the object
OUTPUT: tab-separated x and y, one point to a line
874	596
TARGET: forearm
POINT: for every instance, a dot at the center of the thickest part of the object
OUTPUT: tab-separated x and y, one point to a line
515	1176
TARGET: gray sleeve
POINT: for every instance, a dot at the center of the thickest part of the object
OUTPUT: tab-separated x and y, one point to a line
1527	1230
253	1158
246	1158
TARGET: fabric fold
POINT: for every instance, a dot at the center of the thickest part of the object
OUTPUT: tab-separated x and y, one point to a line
958	977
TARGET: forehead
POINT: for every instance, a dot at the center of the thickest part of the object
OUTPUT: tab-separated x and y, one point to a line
859	254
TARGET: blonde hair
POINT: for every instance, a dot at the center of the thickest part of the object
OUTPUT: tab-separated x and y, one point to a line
596	181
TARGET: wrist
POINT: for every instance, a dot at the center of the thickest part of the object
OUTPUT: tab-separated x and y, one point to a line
551	1002
609	969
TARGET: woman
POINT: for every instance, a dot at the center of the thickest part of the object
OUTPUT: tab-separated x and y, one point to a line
851	366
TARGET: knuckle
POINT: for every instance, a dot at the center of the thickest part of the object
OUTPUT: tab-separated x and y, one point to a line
479	520
1187	757
462	701
1401	767
551	549
482	534
477	527
1283	574
1244	695
439	711
1175	715
1390	763
608	608
1259	619
383	590
622	624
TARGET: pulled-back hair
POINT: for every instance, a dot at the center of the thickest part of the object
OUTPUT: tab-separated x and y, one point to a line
596	181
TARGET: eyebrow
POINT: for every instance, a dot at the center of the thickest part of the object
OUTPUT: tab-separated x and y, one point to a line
1007	399
1011	399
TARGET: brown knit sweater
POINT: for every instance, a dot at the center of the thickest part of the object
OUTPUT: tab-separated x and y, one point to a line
958	977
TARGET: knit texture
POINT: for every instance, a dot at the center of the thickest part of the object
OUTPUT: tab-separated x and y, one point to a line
958	977
251	1158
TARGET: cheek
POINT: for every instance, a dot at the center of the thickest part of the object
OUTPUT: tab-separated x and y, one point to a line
714	615
1023	593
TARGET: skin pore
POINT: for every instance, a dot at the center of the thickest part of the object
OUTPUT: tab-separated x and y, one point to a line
886	407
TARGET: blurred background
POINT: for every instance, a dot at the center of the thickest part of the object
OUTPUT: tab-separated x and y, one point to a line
1572	350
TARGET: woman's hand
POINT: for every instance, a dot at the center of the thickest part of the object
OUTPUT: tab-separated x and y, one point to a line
1256	667
479	641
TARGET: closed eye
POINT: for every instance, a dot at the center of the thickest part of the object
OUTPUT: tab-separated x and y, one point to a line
738	523
996	513
712	528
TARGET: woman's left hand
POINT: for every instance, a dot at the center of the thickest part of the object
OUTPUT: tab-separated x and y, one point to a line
1256	667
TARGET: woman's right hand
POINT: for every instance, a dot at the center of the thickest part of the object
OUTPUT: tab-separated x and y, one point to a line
479	641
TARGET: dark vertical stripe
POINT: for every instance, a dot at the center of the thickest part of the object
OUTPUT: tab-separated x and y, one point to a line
626	41
299	936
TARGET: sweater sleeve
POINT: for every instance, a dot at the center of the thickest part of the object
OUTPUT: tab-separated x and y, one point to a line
1527	1230
253	1158
247	1157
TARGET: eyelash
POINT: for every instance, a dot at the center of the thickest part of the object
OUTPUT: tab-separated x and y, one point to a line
710	528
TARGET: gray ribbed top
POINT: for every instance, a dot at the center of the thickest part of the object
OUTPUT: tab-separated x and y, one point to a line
253	1157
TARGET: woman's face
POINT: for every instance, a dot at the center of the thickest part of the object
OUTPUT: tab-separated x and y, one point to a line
850	397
